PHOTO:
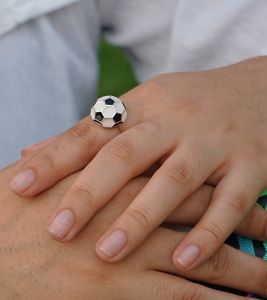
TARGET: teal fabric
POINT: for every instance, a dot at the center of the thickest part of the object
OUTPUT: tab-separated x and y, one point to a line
252	247
246	245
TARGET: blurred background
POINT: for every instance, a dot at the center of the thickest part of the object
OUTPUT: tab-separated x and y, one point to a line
116	74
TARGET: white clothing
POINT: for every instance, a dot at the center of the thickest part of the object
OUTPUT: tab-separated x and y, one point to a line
49	68
163	36
14	12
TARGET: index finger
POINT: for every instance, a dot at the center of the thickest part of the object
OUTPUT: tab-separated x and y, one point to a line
70	152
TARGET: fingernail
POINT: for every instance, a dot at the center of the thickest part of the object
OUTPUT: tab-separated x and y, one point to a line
62	224
114	243
22	181
188	255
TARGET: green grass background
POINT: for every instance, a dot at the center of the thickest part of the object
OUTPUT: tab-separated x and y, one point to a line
116	74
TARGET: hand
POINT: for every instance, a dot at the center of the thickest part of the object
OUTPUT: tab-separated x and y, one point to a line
200	127
191	210
34	267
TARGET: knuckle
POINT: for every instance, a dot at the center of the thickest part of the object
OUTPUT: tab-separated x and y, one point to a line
219	265
214	233
141	217
100	274
85	132
151	127
153	86
178	173
86	195
192	294
45	161
238	202
95	273
121	152
25	152
159	289
167	293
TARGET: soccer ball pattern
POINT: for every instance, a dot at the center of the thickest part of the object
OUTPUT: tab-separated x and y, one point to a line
108	111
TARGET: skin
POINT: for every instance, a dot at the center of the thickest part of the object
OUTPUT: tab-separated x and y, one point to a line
191	210
32	266
211	126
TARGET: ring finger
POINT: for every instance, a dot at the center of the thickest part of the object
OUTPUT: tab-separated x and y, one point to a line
177	178
228	267
125	157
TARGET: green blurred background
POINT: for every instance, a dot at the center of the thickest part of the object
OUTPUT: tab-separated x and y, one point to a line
116	74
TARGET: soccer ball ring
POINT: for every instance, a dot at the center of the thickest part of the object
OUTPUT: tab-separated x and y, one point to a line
109	111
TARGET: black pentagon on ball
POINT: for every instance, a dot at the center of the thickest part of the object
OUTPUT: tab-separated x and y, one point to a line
117	118
109	101
99	116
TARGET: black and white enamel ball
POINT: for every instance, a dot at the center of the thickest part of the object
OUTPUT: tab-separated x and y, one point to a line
109	111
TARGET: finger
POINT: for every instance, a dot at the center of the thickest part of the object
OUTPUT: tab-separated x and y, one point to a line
36	147
190	211
228	267
123	158
193	208
70	152
254	225
158	286
178	177
232	200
